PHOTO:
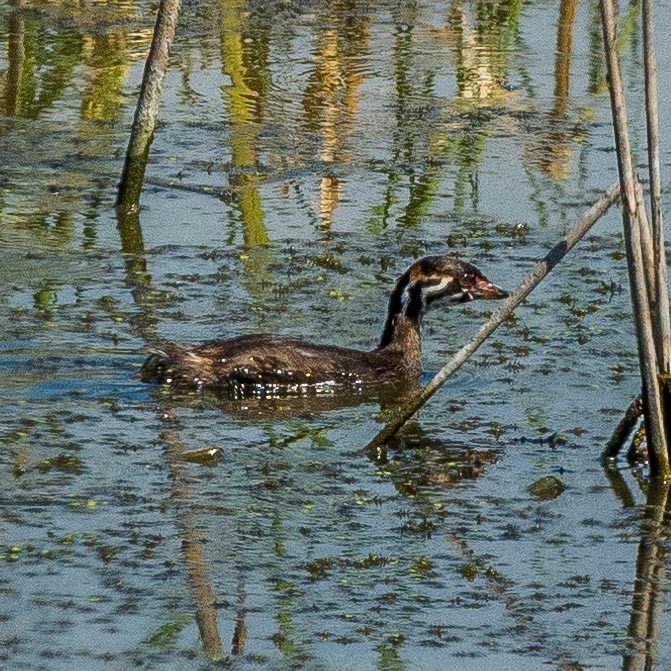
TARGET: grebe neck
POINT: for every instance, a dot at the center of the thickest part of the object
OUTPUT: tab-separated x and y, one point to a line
407	305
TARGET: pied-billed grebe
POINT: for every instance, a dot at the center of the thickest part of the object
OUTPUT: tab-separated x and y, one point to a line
265	364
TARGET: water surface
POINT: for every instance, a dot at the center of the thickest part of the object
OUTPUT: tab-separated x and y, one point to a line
307	152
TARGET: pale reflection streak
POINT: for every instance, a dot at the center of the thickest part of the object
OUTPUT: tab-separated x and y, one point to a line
331	98
244	102
479	75
552	150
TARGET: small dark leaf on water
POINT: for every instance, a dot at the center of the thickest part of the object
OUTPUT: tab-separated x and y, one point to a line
107	303
318	568
209	456
166	636
469	571
546	488
67	463
108	552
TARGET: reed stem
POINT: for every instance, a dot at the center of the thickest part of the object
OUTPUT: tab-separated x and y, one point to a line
146	112
662	319
635	232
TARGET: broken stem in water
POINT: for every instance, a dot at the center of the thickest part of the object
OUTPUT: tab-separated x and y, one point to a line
532	280
146	112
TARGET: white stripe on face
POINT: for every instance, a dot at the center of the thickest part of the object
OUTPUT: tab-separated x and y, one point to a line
429	292
434	288
456	295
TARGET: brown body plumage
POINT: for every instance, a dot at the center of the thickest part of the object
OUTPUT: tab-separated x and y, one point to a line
272	364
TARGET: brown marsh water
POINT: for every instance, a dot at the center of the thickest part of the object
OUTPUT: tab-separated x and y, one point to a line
306	153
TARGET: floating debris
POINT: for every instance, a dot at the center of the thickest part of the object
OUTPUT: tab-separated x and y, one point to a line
547	488
209	456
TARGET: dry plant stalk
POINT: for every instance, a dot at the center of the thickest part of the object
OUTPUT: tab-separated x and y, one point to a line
146	112
644	289
663	325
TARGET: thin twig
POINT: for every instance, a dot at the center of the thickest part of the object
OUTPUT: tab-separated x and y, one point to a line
531	281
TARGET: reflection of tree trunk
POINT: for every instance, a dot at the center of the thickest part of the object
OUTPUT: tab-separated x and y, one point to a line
331	96
245	102
193	552
597	78
330	192
646	608
16	55
132	245
240	633
554	149
250	206
102	99
195	561
567	14
404	139
137	275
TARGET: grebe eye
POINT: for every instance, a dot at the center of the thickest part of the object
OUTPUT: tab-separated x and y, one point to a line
468	277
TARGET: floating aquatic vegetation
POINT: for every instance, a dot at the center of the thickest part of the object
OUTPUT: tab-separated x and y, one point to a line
547	488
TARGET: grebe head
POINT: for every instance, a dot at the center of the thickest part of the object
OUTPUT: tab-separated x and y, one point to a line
428	280
447	278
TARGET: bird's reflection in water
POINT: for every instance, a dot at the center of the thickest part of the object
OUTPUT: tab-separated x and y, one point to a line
268	407
419	463
415	460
